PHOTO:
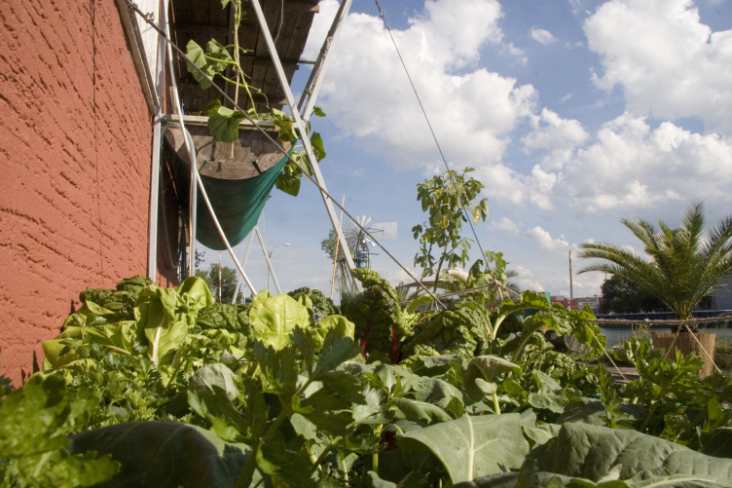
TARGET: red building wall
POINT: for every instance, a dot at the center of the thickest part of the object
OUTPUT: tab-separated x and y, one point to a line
75	142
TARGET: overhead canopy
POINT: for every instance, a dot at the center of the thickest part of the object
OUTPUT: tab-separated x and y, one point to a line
203	20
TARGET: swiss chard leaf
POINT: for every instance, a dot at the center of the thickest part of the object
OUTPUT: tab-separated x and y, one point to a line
592	453
273	318
470	447
168	454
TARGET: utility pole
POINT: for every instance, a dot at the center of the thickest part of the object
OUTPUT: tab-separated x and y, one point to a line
571	292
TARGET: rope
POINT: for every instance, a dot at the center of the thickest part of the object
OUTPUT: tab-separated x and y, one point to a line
608	355
706	320
178	51
426	118
703	349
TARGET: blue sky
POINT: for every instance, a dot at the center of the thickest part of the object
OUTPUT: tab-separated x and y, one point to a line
573	113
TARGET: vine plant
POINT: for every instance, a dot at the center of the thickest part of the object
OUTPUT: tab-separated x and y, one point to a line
223	122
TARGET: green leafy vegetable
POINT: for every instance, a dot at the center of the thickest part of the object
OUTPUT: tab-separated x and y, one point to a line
35	422
470	447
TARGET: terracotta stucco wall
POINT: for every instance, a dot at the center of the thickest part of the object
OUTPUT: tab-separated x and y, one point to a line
75	142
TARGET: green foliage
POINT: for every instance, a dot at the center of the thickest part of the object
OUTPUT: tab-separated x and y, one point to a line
260	395
448	197
168	454
229	279
380	325
684	267
622	296
223	122
314	301
328	245
36	420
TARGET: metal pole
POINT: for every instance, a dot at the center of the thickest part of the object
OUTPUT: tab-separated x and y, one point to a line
196	179
243	265
335	257
317	75
152	251
571	291
301	127
269	263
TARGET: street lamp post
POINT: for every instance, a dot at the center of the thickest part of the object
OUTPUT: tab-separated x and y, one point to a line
269	268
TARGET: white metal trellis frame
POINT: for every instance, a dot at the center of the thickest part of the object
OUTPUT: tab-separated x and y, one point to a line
310	94
152	253
296	114
266	258
323	190
317	75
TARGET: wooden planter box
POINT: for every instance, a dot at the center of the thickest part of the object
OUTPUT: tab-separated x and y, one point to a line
686	344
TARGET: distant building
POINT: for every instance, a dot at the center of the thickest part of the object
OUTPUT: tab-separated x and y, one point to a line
577	303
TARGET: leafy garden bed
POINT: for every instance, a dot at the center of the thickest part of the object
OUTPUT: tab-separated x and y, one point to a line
148	386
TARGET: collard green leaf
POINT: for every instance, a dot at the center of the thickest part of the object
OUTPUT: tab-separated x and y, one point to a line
273	318
421	411
592	452
167	454
470	447
494	481
487	368
550	395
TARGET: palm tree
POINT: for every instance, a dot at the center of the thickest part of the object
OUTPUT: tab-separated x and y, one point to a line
684	267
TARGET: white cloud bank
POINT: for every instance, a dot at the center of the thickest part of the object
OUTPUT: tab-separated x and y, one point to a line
668	63
367	93
633	166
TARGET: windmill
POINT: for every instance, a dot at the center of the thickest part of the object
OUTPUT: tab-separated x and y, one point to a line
358	243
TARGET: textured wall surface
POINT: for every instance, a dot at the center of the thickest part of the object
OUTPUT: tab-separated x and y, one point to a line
75	141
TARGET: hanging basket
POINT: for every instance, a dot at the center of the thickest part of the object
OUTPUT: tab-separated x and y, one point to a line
237	187
685	343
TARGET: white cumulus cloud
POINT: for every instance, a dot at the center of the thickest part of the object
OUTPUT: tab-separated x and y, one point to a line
668	63
536	234
633	166
542	36
546	241
558	136
367	93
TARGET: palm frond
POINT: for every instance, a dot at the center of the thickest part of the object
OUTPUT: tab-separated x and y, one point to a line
684	267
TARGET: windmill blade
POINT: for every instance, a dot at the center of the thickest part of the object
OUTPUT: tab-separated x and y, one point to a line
385	230
351	231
